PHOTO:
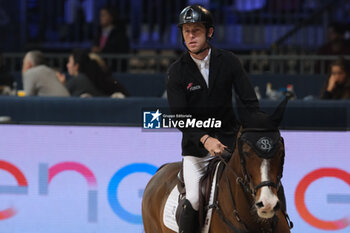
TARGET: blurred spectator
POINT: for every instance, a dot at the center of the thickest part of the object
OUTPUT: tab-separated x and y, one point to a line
6	79
84	75
337	85
89	79
112	37
39	79
115	89
337	44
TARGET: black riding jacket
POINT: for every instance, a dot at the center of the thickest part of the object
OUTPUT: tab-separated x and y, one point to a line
188	94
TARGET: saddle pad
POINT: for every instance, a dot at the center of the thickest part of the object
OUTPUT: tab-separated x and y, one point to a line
169	215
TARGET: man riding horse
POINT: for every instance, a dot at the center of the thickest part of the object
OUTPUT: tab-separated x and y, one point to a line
200	84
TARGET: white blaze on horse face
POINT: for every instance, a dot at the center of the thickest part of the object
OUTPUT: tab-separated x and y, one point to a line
267	197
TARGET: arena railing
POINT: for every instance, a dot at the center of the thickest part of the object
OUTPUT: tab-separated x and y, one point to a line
157	63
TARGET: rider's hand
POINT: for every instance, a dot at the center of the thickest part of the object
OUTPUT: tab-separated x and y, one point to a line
212	145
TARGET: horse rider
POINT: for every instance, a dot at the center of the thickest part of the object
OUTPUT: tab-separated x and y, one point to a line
200	84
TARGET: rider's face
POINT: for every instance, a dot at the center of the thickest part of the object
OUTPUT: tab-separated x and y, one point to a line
194	36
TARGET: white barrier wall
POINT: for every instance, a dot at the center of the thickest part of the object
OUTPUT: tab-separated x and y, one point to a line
76	179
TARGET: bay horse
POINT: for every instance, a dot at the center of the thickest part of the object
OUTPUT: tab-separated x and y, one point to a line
247	197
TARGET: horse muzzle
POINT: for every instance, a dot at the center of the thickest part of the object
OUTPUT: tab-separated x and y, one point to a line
266	208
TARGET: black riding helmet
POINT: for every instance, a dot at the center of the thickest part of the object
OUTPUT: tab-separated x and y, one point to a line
196	14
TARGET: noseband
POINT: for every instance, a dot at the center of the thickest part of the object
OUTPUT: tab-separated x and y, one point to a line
265	142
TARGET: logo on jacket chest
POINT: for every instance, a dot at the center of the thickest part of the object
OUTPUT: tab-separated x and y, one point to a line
192	87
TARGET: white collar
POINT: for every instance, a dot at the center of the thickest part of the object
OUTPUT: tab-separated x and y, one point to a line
205	61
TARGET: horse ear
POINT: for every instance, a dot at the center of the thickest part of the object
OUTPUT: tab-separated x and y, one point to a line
277	116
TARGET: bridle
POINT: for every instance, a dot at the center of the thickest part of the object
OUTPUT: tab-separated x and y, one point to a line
245	180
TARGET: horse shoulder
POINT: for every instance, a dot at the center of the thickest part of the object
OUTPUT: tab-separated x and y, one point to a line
155	195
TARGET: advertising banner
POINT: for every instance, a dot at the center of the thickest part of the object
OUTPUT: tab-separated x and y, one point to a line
90	179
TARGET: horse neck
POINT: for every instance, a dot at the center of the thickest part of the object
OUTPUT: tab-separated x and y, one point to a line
235	163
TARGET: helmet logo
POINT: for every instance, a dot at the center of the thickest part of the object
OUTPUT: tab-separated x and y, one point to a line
189	14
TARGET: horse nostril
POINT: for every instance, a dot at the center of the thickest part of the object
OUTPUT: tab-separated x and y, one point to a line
259	204
277	206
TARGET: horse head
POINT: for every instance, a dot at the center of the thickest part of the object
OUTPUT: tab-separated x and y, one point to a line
260	150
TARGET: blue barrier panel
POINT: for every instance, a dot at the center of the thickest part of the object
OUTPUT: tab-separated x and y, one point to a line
315	114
